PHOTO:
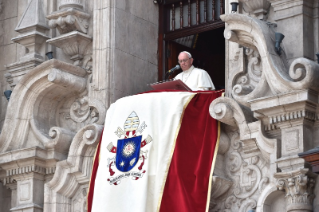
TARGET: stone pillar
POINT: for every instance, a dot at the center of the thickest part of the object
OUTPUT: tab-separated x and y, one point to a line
296	137
27	187
30	193
124	65
295	21
298	186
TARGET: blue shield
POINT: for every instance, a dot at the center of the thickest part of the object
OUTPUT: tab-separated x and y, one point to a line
127	153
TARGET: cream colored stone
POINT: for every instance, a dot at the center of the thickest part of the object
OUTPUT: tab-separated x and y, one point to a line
270	113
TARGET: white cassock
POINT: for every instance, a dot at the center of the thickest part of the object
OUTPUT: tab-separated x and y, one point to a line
196	79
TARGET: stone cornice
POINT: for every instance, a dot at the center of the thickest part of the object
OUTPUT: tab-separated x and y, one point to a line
285	9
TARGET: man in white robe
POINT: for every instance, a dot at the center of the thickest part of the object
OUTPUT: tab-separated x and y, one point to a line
195	78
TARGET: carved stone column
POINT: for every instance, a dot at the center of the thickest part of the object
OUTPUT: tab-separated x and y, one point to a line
298	186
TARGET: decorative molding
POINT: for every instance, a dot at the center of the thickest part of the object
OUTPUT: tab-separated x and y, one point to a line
30	101
79	200
248	173
74	44
16	71
65	4
256	34
69	20
8	180
257	8
287	9
75	171
247	82
247	204
25	170
231	113
299	186
289	116
219	187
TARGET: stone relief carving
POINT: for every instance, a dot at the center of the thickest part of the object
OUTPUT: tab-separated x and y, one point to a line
257	35
72	20
248	173
70	181
79	200
246	81
68	86
230	112
298	186
72	23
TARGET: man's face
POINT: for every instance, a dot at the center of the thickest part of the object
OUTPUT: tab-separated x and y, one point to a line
184	61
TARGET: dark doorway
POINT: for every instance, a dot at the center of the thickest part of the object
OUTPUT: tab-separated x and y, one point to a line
208	51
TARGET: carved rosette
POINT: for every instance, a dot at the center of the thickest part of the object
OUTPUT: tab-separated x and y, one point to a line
298	186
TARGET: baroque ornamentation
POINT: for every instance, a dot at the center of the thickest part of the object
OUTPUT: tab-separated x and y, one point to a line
258	8
73	44
73	174
70	17
79	200
302	74
299	186
252	138
72	23
247	81
52	80
248	173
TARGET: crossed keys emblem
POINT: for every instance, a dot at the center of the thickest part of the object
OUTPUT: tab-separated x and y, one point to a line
129	150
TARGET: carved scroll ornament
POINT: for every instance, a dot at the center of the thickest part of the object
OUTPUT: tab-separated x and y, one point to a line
75	170
231	113
256	35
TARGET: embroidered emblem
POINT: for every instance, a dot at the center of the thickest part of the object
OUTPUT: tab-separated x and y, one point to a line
129	151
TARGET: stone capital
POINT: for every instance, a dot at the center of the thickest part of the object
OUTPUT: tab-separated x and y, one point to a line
298	186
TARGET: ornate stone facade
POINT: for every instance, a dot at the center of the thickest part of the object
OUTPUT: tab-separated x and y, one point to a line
104	50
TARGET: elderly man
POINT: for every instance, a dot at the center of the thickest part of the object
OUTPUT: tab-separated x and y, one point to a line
194	78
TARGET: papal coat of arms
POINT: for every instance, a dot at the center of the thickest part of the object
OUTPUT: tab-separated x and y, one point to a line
129	151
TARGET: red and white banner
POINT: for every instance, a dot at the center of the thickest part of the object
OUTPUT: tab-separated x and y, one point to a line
156	154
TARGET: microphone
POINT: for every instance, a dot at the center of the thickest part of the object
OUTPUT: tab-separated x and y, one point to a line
173	69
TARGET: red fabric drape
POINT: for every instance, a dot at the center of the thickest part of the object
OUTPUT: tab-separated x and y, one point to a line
93	176
187	183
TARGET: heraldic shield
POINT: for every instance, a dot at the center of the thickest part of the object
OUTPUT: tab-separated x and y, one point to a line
128	153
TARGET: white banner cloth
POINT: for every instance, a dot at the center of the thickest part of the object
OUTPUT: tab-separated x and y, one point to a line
154	120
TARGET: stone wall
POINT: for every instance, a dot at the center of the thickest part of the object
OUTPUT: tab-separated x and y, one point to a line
274	115
107	49
129	46
103	50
